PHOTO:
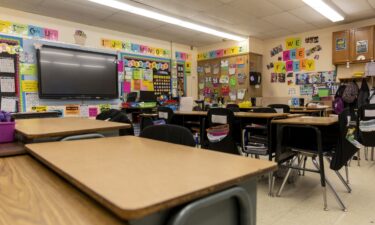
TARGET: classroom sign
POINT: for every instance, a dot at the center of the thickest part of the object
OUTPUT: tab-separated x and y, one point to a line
235	50
135	48
28	30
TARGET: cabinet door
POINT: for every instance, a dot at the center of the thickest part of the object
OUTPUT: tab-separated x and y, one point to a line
362	44
340	47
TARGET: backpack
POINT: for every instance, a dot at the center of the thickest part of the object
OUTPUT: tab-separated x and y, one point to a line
115	115
350	93
338	102
364	94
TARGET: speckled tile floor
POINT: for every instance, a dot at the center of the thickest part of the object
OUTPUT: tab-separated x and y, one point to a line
301	203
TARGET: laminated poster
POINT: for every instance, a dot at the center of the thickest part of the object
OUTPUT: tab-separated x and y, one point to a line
72	110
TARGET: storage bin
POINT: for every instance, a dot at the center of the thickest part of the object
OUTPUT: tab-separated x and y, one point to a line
7	131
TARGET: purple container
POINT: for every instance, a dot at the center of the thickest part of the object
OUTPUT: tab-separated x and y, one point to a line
7	131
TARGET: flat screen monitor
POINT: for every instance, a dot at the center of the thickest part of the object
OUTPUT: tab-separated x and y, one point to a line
77	74
147	96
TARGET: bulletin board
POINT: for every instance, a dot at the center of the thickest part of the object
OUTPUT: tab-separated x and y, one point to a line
9	73
226	77
143	73
181	79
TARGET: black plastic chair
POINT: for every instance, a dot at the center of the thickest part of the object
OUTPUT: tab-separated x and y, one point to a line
115	115
337	150
233	107
367	112
169	133
166	114
264	110
220	116
282	108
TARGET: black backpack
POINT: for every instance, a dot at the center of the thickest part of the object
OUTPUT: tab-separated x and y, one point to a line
115	115
364	94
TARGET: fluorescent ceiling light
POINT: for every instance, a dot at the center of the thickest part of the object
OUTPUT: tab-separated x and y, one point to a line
323	8
167	19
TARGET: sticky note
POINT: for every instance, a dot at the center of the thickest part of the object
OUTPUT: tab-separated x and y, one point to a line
29	86
5	26
310	64
291	43
93	111
279	67
300	53
302	64
144	49
289	65
127	87
51	34
212	54
296	66
286	55
292	54
28	69
20	29
37	32
219	53
116	44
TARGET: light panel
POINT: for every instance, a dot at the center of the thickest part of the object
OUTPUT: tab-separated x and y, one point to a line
323	8
167	19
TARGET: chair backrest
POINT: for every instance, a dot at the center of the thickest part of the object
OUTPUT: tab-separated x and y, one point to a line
219	116
233	107
116	115
169	133
367	112
280	108
165	113
344	150
264	110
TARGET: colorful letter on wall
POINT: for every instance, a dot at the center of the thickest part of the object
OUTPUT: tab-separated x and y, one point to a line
286	55
300	53
310	64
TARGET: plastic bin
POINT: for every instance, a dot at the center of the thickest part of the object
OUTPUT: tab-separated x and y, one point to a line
7	131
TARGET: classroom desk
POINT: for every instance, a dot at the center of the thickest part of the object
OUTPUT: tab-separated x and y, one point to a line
142	179
31	194
322	111
31	129
244	118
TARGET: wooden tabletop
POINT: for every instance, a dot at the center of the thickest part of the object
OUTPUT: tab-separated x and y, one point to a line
54	127
13	148
134	177
32	194
305	110
314	121
236	114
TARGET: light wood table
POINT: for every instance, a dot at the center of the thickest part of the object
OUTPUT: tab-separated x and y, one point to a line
323	111
236	114
33	195
137	177
58	127
307	120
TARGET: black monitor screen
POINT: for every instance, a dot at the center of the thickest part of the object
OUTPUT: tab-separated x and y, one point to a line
147	96
71	73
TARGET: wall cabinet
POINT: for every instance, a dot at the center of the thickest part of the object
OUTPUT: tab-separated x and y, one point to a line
340	47
362	44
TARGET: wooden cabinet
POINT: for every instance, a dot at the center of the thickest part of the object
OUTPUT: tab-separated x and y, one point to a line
340	47
362	44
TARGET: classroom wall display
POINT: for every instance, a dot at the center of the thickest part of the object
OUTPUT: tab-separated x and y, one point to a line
223	77
219	53
135	48
28	30
9	73
146	74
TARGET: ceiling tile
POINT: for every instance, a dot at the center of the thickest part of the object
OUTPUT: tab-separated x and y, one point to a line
227	14
352	6
309	15
256	8
302	28
284	20
277	33
287	4
133	20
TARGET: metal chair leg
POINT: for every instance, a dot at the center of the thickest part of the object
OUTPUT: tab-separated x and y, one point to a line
366	153
347	174
285	178
270	184
324	189
372	154
348	188
304	165
338	199
359	158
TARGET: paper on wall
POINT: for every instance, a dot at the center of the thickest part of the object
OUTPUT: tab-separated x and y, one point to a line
8	104
6	65
7	85
84	111
241	94
31	100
